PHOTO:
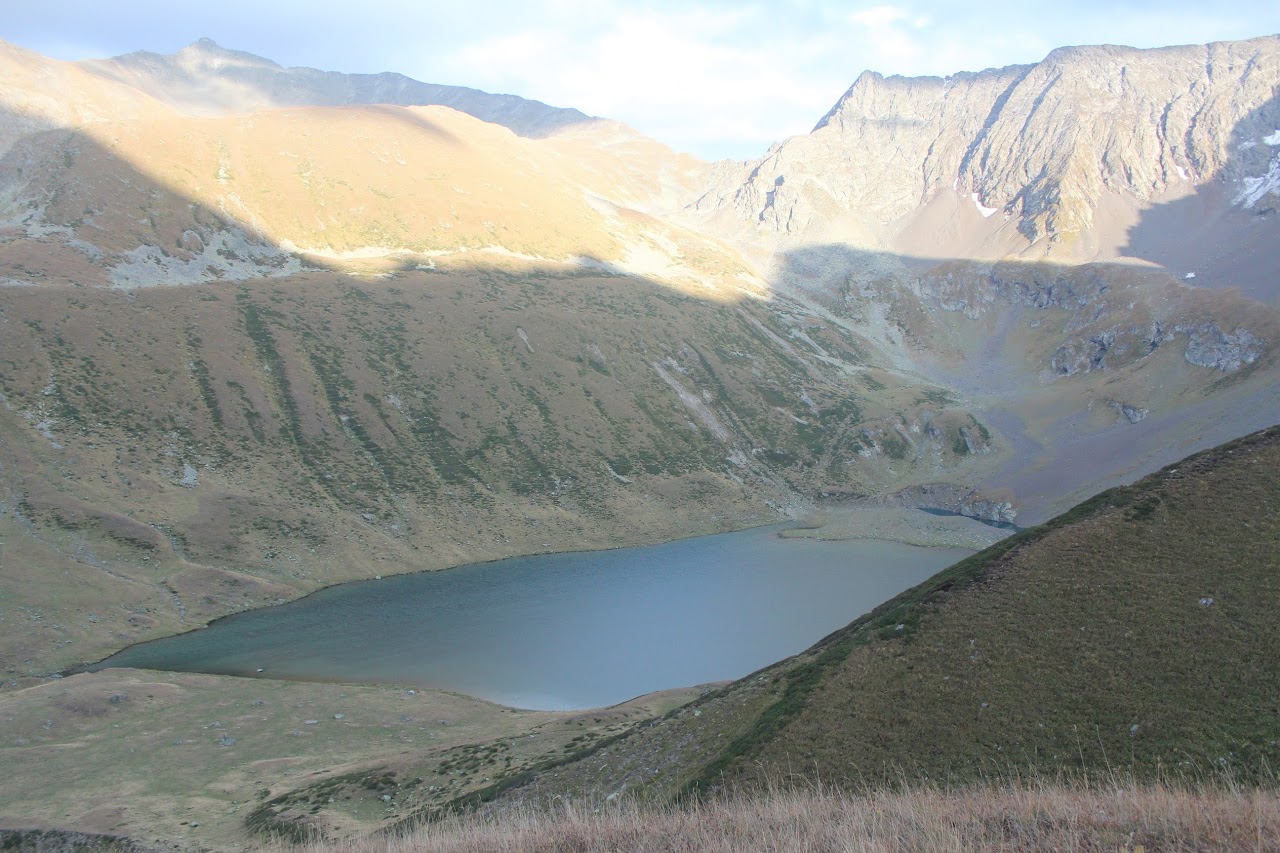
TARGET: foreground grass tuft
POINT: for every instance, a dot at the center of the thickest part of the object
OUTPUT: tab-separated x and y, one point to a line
1113	816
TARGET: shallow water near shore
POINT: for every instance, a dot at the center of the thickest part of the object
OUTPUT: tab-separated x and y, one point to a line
561	631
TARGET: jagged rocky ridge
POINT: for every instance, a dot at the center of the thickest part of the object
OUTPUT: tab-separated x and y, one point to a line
1042	145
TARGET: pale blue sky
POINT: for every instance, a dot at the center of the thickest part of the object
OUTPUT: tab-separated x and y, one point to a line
713	77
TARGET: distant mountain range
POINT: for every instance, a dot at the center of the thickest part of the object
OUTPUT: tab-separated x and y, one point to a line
207	79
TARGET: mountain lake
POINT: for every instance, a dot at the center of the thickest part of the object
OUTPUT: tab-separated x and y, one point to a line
564	631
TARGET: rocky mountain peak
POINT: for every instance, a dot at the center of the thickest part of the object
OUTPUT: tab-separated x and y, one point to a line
1044	158
206	54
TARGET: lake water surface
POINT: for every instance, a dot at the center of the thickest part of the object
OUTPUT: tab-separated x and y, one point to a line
562	631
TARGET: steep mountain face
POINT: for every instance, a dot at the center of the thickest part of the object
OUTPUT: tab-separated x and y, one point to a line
205	78
1049	160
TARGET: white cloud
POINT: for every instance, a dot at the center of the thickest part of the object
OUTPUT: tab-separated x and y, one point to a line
878	17
693	78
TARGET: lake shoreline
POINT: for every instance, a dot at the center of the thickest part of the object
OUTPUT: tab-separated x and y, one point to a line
557	631
832	523
916	527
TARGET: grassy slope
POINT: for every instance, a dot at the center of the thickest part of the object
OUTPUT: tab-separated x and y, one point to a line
198	760
340	428
1082	646
1039	655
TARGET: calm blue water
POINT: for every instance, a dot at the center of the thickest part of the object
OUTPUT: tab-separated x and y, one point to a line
565	630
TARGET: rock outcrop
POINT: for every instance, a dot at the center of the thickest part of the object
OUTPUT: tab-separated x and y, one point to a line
949	497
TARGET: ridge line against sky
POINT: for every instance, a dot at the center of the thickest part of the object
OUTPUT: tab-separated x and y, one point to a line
715	78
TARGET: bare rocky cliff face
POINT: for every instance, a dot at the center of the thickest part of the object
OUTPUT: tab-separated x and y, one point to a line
1040	154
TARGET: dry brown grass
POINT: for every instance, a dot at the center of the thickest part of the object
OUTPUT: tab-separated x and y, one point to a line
1112	816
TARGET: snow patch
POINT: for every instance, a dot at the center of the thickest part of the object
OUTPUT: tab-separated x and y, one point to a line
1182	173
1188	275
1273	139
984	210
1254	189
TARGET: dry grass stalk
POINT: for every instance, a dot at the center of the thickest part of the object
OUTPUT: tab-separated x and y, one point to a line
1023	817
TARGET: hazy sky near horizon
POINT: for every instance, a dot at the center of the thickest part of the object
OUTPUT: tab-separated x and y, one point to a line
718	78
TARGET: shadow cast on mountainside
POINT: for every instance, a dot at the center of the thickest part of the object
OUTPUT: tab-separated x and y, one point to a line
955	323
1091	375
1209	236
414	119
420	415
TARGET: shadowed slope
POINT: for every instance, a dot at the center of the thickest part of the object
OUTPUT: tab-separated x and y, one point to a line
1225	233
186	452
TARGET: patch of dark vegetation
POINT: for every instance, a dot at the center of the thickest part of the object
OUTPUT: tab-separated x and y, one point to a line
982	429
256	326
200	371
438	442
278	819
936	396
473	800
894	447
66	841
